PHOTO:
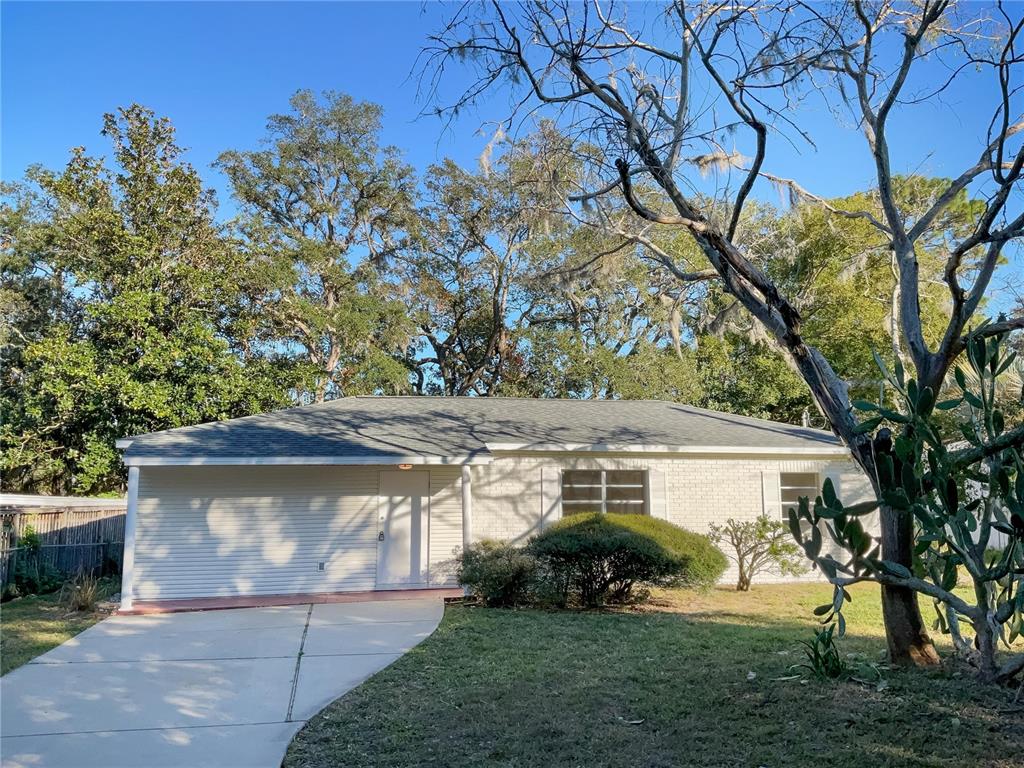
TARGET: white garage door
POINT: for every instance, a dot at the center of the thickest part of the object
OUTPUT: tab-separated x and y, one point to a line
226	531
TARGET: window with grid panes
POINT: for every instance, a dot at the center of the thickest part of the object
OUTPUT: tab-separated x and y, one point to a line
622	491
793	485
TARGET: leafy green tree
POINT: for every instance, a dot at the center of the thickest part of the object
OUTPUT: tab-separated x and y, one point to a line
324	209
843	278
467	279
751	378
509	298
473	275
120	279
565	363
31	291
605	332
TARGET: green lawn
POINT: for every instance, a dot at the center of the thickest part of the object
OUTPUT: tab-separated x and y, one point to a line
666	686
33	625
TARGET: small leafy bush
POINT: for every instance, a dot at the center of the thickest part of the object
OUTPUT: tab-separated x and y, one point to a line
499	574
31	574
757	546
605	558
32	577
30	540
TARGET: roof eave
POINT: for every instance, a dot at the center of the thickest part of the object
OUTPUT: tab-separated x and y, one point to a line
823	450
199	461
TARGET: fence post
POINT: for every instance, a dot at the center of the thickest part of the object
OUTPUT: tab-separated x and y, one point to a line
65	538
14	545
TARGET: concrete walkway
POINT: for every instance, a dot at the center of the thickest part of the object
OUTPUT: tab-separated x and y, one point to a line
213	688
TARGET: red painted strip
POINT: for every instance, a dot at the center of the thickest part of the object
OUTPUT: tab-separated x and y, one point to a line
267	601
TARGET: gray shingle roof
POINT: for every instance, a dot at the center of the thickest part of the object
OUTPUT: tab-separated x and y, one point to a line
447	427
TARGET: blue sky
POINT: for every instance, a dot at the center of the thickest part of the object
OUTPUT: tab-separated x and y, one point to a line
218	69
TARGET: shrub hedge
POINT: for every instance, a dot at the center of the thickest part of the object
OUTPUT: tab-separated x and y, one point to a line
498	573
591	559
603	558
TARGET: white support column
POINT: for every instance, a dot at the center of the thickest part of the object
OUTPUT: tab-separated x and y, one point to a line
128	561
467	506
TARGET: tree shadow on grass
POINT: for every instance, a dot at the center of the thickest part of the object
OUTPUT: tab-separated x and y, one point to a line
534	688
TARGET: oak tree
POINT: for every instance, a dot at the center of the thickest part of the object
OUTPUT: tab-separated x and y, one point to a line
324	205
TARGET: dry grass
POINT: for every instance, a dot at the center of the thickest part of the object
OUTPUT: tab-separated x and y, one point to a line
33	625
668	685
83	592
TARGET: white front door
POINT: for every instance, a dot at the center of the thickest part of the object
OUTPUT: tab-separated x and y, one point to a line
404	510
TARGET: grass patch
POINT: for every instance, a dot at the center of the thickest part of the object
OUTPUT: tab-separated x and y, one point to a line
663	686
30	626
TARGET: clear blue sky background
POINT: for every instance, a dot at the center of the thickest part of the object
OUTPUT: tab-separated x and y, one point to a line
218	69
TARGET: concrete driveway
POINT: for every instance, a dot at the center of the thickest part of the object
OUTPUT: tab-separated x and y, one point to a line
222	688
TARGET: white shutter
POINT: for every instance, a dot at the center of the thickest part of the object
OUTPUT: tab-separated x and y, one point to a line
835	474
657	496
550	495
771	497
833	471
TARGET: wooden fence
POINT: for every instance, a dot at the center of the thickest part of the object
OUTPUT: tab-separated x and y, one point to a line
73	537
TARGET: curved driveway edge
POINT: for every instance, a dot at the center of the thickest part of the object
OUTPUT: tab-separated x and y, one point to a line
226	688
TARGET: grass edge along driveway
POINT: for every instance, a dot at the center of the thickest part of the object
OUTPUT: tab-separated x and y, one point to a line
32	625
668	685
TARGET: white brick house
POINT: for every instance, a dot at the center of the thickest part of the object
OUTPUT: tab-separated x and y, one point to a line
378	493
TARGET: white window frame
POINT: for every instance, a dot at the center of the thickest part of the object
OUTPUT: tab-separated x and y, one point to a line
602	505
785	505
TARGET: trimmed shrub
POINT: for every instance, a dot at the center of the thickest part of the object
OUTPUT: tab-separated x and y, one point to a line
604	558
705	562
498	573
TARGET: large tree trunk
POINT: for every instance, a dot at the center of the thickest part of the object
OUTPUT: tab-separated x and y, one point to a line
905	632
